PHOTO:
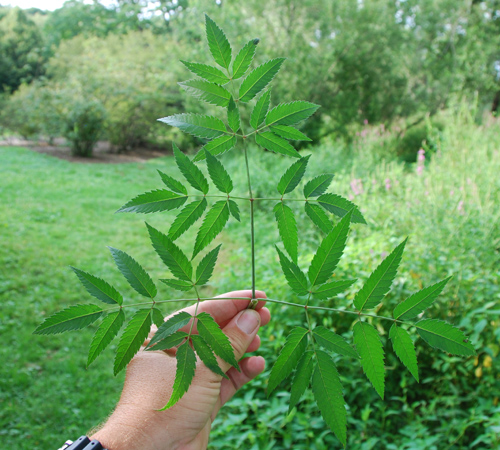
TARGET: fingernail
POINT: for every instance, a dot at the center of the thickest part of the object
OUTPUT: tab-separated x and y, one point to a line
248	321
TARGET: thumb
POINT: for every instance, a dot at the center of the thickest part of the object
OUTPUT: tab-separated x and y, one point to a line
241	331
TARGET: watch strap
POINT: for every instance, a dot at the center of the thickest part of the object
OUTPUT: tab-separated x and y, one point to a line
83	443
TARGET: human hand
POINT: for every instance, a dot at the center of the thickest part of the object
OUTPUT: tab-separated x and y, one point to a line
136	422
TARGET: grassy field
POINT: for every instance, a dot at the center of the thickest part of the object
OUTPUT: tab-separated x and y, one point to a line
55	213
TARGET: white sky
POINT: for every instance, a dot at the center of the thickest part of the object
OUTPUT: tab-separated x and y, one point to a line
50	5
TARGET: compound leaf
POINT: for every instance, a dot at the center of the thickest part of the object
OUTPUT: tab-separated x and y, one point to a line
217	43
209	330
206	91
216	147
327	390
178	285
199	125
259	78
172	256
135	334
318	217
184	374
292	176
442	335
213	223
209	73
290	113
288	132
218	174
287	227
69	319
329	252
404	349
291	352
244	59
331	289
294	276
301	379
260	110
169	342
340	206
274	143
318	185
370	349
333	342
206	267
191	172
137	277
187	217
205	353
234	209
99	288
419	301
233	116
106	332
380	280
154	201
170	326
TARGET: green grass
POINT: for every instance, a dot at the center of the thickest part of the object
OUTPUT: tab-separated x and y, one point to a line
55	213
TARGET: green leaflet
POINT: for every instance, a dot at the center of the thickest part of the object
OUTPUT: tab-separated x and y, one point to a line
213	223
404	349
173	184
274	143
209	330
191	172
187	217
292	176
380	280
137	277
216	147
259	78
288	132
287	227
69	319
370	349
218	174
333	342
318	217
99	288
199	125
260	110
294	276
217	43
157	317
209	73
154	201
318	185
184	374
290	113
327	390
205	353
134	335
329	252
301	379
106	332
233	116
169	342
331	289
442	335
419	302
244	59
178	285
294	348
234	209
172	256
170	326
340	206
208	92
206	267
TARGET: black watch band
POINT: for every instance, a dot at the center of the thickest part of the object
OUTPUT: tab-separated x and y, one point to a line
82	443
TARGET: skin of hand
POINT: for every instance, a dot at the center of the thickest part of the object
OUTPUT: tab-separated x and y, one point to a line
136	422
